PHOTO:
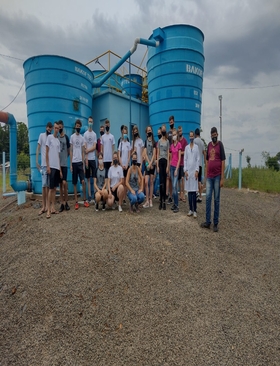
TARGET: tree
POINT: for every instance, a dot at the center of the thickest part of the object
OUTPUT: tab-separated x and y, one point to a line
22	138
272	162
248	160
23	161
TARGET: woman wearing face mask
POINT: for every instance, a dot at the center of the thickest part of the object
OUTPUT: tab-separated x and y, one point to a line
137	145
163	166
191	169
175	158
134	183
100	182
115	183
124	155
150	159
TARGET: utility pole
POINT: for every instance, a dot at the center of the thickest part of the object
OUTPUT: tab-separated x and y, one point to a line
220	99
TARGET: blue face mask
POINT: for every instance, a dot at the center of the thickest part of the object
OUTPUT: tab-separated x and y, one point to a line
125	136
191	140
89	125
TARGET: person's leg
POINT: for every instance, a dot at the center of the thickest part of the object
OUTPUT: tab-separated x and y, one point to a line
97	198
75	193
140	197
174	187
110	200
190	200
120	193
209	190
217	191
161	182
44	199
65	191
194	201
84	190
147	204
151	190
164	182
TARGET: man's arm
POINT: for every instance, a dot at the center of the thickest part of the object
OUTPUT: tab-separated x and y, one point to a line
37	156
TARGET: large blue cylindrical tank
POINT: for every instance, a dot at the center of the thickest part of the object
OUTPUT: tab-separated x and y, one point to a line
57	88
132	85
175	77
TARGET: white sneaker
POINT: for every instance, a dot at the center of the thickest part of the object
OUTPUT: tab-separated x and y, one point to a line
190	213
120	208
195	215
151	203
146	205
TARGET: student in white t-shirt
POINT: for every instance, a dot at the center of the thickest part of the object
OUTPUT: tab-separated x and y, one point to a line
77	158
53	168
90	147
137	145
124	150
115	183
41	146
107	146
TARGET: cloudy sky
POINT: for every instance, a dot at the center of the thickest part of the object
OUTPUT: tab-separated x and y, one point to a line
242	54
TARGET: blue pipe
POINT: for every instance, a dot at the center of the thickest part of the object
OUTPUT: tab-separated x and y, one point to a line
152	43
14	183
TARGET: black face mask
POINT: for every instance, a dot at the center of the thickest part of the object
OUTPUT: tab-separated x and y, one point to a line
101	133
135	134
163	133
134	162
48	132
115	161
149	134
60	130
180	134
171	126
107	128
159	136
214	139
78	129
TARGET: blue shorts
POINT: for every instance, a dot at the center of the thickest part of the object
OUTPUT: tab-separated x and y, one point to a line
45	177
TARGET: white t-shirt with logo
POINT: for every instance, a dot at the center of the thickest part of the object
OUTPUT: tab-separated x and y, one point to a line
42	142
138	145
77	142
90	139
115	174
124	149
107	140
54	149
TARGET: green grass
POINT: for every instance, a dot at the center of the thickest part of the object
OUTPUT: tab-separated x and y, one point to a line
259	179
21	176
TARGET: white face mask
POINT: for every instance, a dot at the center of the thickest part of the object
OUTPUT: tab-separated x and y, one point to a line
100	161
174	137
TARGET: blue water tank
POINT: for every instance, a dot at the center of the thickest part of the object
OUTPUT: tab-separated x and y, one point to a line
57	88
132	85
175	76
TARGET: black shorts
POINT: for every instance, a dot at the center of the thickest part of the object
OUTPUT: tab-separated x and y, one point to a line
54	178
90	171
115	194
78	171
64	174
125	172
107	165
200	174
150	171
181	172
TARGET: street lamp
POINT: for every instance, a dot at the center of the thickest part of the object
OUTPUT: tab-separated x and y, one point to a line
220	99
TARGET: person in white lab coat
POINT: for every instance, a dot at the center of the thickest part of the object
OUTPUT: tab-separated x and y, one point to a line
191	169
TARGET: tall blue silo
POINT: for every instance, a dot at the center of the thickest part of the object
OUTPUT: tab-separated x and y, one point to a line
57	88
175	77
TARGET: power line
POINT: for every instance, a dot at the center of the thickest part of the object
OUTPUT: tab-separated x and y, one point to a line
15	58
14	97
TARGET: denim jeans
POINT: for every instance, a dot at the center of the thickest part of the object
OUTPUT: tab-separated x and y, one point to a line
135	198
174	181
213	184
192	201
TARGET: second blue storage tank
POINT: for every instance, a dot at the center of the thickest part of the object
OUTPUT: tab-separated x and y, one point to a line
132	85
175	77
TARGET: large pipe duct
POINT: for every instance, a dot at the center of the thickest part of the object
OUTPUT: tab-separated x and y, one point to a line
151	43
10	120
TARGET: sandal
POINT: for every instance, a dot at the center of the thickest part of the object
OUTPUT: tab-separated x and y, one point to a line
41	212
54	212
48	216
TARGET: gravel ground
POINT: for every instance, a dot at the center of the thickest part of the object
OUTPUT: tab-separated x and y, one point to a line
110	288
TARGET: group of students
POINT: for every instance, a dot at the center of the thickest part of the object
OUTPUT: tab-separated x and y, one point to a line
123	173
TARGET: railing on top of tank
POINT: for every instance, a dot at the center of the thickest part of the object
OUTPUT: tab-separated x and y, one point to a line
106	60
